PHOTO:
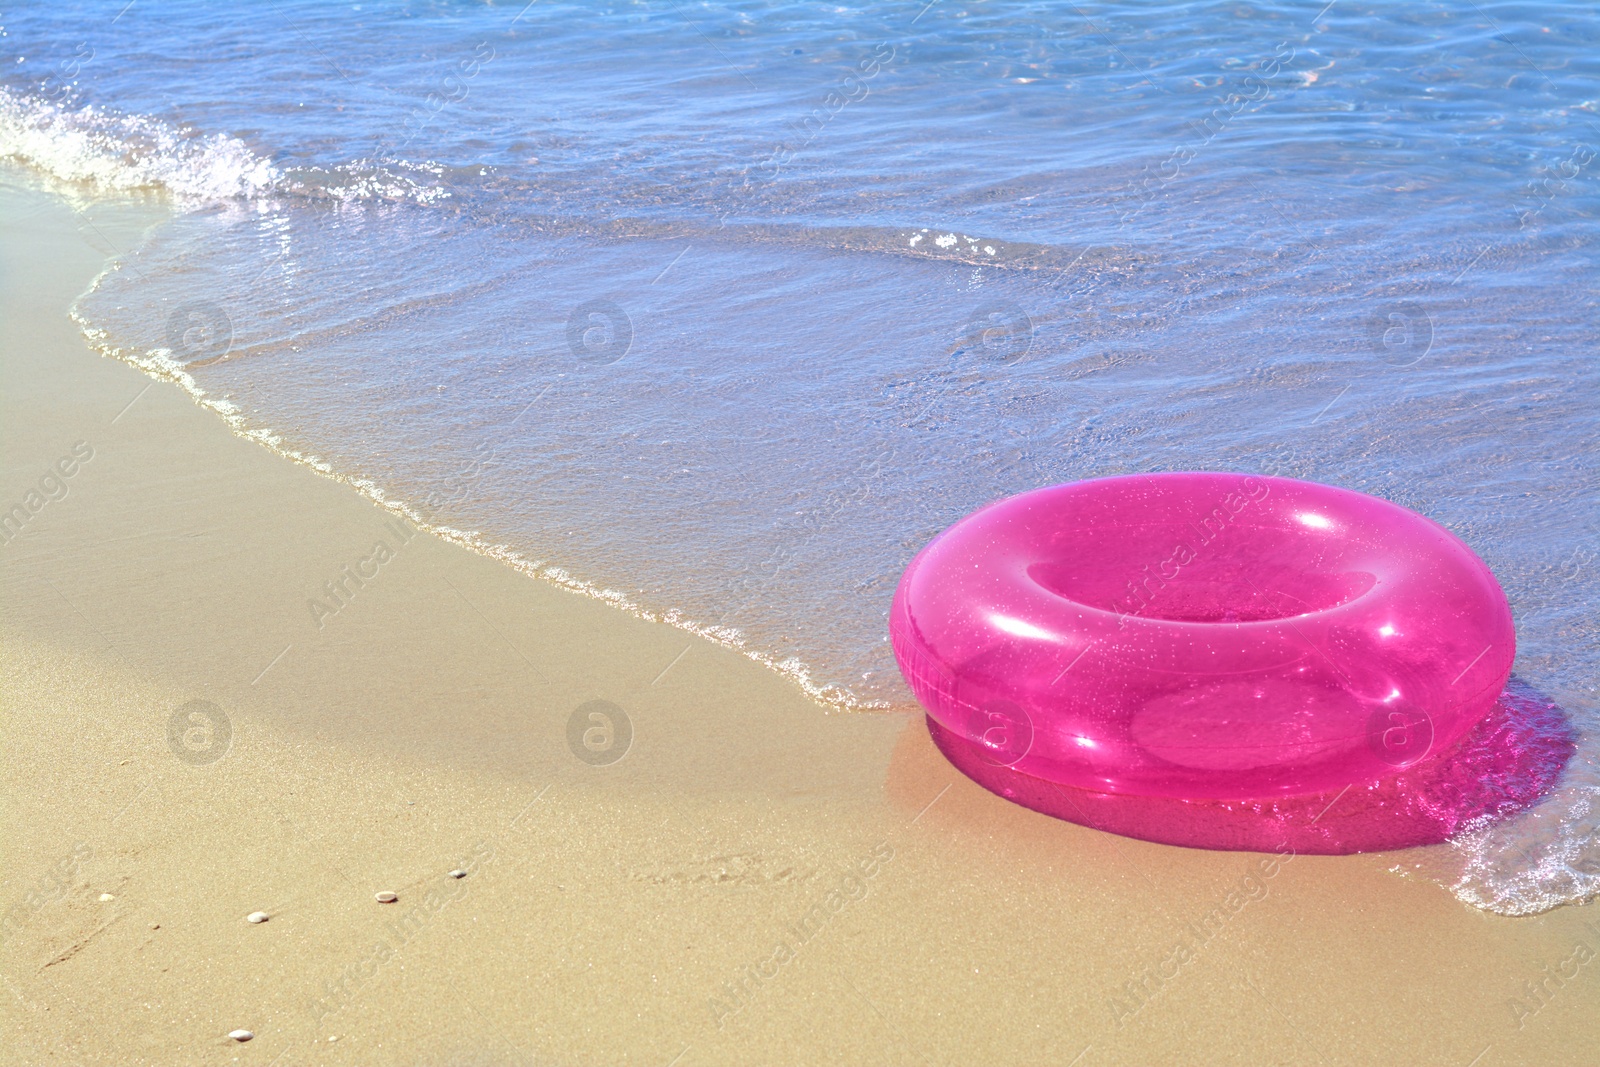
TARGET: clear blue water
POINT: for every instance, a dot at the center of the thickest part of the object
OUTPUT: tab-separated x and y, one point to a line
721	313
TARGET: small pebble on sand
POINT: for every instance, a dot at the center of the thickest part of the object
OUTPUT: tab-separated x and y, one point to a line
155	926
105	897
458	873
240	1035
257	917
387	897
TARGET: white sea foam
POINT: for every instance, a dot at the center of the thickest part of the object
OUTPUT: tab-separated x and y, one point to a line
126	153
108	152
1536	861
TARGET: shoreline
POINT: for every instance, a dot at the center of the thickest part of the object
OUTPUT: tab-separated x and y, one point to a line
164	369
185	739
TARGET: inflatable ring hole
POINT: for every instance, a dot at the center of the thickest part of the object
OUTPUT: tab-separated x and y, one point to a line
1169	572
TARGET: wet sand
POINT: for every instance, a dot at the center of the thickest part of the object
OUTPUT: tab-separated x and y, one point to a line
715	870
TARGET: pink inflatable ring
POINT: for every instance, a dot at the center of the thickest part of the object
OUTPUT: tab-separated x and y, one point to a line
1203	658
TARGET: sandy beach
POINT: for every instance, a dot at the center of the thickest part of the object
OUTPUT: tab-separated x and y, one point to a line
667	854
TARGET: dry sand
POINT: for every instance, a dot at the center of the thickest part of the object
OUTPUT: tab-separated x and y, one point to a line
755	881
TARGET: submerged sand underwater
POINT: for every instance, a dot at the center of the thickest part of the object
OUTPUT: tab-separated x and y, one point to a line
753	880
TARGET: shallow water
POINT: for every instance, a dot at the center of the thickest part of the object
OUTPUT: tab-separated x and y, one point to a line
722	314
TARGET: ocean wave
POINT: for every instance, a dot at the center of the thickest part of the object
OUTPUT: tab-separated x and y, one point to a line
121	153
111	152
104	151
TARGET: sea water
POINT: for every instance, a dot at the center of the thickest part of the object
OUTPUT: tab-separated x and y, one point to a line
721	312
